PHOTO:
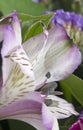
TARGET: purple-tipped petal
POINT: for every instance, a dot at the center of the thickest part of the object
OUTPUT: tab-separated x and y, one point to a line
11	39
3	23
25	104
29	110
59	58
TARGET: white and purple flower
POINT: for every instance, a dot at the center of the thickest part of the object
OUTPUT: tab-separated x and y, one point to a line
47	57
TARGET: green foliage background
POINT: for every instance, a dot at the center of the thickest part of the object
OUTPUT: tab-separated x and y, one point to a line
73	85
21	6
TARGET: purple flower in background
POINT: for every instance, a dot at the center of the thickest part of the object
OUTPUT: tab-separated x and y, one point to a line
47	57
72	22
61	17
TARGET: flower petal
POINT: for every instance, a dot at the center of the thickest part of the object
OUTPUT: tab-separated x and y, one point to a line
49	121
3	23
59	58
11	39
34	45
60	107
77	125
27	109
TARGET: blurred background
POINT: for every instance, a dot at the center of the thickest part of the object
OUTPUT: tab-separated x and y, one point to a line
36	7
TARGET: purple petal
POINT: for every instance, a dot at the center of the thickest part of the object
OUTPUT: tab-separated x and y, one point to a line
28	104
6	20
72	22
75	126
12	38
27	109
78	125
61	17
81	123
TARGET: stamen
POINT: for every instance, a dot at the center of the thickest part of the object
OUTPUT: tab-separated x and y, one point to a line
48	75
51	103
49	88
48	102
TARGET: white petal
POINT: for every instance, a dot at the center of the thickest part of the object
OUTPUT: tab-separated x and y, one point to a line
19	56
60	107
16	87
58	59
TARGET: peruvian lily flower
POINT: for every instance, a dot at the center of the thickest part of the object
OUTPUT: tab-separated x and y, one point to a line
26	68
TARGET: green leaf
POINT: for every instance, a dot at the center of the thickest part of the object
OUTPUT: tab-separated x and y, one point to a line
35	29
31	25
75	85
25	6
19	125
67	94
26	17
